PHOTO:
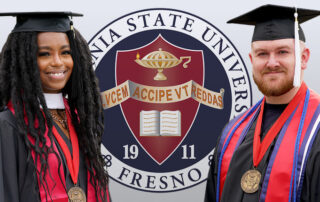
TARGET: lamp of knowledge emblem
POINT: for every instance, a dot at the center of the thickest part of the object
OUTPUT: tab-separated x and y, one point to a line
168	89
161	60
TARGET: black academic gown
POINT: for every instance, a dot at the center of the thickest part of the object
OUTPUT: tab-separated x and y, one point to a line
242	161
18	183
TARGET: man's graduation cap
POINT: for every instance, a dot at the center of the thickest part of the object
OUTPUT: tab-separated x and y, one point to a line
42	21
273	22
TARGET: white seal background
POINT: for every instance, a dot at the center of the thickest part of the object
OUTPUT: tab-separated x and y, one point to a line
99	13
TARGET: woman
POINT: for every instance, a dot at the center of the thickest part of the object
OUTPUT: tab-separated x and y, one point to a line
51	119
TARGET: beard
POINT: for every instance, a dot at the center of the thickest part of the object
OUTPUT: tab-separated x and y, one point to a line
284	86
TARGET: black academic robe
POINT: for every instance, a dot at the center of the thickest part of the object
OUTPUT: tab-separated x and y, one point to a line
242	161
18	183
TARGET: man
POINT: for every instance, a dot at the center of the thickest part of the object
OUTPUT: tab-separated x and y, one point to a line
272	151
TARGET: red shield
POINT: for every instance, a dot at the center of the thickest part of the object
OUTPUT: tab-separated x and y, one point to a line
159	147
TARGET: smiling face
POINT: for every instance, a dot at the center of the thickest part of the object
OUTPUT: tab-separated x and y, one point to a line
273	66
54	61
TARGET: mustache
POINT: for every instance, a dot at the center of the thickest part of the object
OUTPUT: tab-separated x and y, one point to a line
273	70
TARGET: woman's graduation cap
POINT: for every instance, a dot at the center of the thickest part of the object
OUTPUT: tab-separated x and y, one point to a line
273	22
42	21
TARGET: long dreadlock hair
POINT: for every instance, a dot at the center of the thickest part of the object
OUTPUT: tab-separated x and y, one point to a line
21	85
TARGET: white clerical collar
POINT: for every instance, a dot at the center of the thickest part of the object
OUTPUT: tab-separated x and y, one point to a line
54	101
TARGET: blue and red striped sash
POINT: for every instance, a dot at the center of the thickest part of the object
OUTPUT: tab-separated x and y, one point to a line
285	172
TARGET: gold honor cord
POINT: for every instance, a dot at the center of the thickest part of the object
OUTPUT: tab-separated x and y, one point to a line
163	95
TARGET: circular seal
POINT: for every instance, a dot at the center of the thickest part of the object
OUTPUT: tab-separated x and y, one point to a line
169	82
250	181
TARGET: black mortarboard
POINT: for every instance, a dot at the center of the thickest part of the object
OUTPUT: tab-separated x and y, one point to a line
42	21
274	22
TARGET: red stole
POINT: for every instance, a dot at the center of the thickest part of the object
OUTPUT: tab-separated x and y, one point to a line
277	181
56	185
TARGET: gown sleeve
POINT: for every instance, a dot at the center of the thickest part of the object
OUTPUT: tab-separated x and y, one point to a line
210	194
17	182
311	182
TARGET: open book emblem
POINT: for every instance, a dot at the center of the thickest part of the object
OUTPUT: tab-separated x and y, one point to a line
164	123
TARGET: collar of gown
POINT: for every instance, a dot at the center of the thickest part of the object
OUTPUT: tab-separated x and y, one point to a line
54	100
